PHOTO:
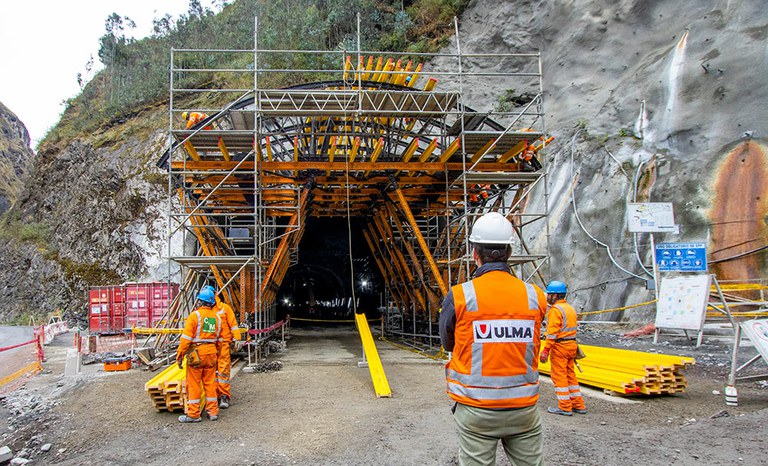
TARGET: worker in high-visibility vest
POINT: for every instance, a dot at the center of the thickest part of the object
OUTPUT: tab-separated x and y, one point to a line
194	118
199	345
230	332
562	327
491	324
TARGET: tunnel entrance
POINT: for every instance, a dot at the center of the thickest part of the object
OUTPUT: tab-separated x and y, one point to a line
318	287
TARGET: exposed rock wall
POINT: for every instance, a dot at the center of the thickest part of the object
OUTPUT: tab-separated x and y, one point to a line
647	100
16	157
87	216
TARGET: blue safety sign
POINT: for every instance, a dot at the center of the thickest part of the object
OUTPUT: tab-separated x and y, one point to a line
681	257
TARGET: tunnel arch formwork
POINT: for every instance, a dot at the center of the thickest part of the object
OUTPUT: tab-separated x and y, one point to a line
359	134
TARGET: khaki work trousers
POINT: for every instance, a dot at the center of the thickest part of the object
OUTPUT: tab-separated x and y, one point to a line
481	429
223	371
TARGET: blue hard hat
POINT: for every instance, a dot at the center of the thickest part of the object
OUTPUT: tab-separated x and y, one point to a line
556	287
206	295
210	287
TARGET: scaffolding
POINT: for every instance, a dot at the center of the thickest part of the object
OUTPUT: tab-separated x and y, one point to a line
290	134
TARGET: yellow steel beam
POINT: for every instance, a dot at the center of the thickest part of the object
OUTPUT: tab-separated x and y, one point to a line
376	369
223	149
428	151
420	239
191	151
341	166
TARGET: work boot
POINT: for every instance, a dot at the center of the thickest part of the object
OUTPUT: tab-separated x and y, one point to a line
223	402
213	417
184	418
559	411
580	411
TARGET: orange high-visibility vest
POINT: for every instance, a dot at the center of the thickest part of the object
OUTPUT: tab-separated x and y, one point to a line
195	118
562	323
202	327
494	362
229	331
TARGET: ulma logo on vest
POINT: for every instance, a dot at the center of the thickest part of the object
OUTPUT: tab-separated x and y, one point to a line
503	331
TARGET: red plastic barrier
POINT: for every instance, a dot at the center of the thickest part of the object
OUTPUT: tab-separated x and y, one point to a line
268	329
6	348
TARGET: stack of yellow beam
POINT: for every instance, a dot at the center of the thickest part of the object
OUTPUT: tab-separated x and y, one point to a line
167	389
626	372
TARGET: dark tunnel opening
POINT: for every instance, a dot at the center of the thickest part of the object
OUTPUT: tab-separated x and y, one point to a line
317	289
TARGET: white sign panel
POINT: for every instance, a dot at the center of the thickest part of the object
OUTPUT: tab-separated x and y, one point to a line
757	331
650	217
683	302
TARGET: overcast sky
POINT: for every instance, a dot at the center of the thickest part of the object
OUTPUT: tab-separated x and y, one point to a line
45	43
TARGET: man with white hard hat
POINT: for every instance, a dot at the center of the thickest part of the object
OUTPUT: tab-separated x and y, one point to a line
491	325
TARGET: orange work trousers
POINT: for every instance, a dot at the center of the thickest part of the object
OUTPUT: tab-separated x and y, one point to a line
562	360
223	371
202	378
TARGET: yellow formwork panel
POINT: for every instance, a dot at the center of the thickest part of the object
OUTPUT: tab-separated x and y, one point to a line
166	390
379	378
627	371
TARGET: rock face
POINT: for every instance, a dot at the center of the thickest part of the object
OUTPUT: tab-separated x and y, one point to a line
87	216
649	101
16	157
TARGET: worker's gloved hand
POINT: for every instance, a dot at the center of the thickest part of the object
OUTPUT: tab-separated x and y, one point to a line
237	345
544	356
180	362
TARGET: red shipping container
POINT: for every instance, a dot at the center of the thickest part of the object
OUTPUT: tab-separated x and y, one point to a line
147	303
103	318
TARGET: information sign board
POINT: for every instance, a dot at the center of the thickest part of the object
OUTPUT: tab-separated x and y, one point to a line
681	257
650	217
682	302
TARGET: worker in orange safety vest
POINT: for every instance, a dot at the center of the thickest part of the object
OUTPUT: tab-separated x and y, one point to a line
491	325
562	327
199	345
194	118
229	332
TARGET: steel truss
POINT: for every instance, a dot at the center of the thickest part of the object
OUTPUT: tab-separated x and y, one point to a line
376	142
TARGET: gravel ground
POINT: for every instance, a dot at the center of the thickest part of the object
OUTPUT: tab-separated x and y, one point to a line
321	409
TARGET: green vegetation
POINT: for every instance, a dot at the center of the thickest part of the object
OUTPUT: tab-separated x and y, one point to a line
135	74
39	234
510	100
12	228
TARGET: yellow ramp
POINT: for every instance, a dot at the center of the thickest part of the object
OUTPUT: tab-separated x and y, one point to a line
379	378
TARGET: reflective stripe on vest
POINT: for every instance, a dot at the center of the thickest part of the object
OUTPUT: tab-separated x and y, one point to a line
521	391
476	377
565	322
470	298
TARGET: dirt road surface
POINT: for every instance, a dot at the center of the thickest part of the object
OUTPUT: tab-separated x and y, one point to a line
321	409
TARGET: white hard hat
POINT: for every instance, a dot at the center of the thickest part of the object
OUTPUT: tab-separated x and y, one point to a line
491	228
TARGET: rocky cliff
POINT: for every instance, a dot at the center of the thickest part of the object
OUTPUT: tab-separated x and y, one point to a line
16	157
91	213
650	101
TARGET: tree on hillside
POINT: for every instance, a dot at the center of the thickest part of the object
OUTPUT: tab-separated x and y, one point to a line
114	51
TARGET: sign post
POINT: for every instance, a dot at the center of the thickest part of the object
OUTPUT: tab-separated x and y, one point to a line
651	217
